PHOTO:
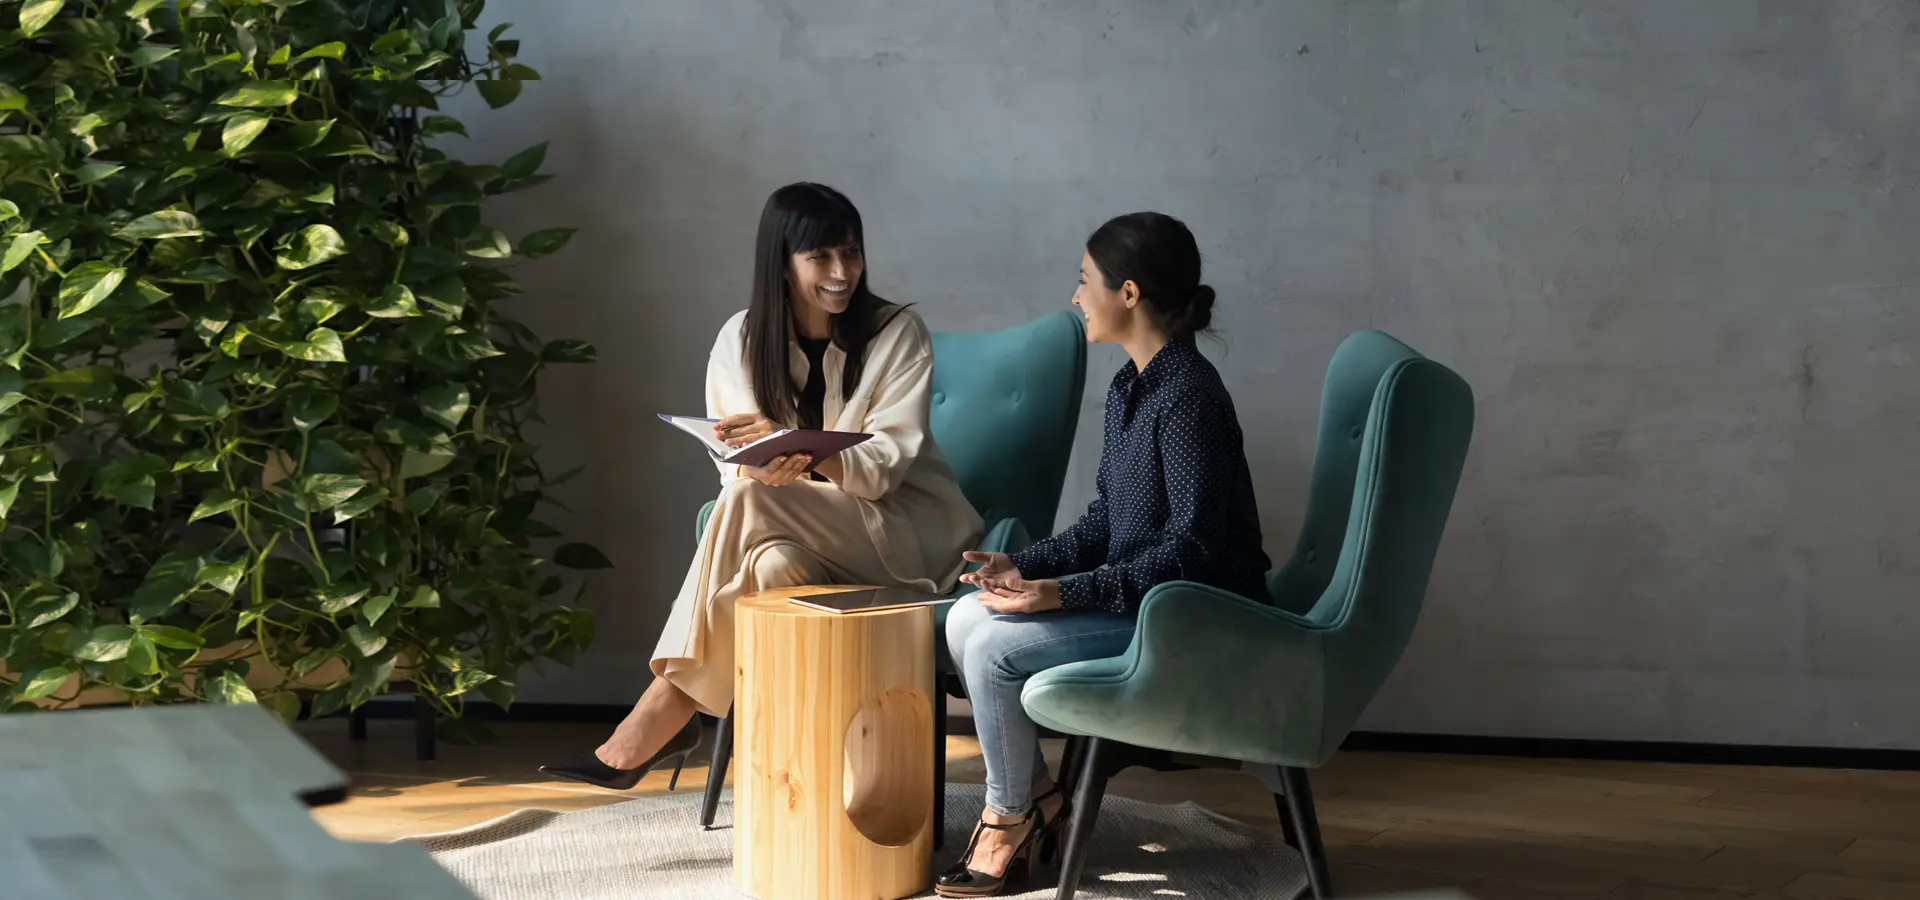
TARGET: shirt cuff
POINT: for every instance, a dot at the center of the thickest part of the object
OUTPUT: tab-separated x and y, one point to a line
1033	566
1079	592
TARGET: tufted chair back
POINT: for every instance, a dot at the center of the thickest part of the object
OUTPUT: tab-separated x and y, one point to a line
1005	404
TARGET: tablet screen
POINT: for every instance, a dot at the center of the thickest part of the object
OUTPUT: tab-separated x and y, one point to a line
867	600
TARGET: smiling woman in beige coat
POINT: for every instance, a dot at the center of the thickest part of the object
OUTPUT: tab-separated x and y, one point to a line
815	349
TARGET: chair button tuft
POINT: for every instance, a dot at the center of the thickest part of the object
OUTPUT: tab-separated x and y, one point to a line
1356	432
939	397
1016	397
1313	556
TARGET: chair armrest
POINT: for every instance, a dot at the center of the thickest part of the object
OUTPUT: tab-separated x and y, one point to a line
1208	672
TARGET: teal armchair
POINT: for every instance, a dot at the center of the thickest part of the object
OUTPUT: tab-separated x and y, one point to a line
1278	685
1004	409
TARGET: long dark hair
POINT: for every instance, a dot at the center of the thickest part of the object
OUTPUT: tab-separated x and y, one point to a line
1158	253
800	218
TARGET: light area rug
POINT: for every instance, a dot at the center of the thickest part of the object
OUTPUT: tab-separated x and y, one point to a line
654	847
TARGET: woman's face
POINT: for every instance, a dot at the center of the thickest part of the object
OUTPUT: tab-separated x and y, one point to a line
825	278
1107	310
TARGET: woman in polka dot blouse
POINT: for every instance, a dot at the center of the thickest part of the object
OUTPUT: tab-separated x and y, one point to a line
1175	503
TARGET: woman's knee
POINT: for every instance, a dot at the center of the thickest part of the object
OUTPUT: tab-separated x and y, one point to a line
784	565
965	616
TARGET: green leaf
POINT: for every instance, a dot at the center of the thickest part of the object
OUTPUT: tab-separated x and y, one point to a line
359	506
9	493
141	657
490	244
201	460
396	302
223	577
241	131
35	14
44	609
424	598
141	7
424	499
376	607
167	223
283	704
309	406
522	72
217	502
326	491
329	50
436	125
106	644
45	681
310	662
366	640
260	94
320	307
415	463
93	172
468	679
173	638
19	249
337	597
137	492
281	56
9	211
12	389
321	345
166	583
327	703
148	54
389	233
525	163
446	403
568	352
230	688
498	92
545	242
308	134
581	556
86	285
323	196
314	245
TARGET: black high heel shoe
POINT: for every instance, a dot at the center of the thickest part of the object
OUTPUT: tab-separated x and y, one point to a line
963	881
592	771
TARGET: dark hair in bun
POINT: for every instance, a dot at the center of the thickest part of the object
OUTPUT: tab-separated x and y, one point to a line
1158	253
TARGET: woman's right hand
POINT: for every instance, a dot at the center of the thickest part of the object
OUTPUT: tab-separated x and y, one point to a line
996	569
780	471
743	429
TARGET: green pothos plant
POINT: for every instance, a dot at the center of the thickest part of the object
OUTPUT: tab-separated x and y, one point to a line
262	407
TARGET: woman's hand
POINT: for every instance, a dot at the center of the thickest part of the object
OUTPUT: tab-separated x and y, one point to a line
994	569
1018	595
743	429
780	471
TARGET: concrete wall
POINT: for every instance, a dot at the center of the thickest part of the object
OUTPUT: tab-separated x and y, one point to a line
1673	246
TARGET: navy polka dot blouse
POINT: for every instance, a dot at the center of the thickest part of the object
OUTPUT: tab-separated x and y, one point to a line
1175	497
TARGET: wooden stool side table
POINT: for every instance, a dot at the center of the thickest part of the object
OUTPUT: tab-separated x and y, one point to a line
833	762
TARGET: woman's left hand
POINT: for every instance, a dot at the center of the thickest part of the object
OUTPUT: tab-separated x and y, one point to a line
1019	595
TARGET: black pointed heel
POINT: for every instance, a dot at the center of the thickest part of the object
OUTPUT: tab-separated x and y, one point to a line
1041	842
592	771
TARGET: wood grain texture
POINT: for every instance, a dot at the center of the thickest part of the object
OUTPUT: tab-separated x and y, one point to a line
833	747
199	802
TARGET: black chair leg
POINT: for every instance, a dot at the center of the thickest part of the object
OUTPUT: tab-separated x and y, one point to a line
1306	826
717	770
1071	758
357	724
1287	832
939	768
1095	769
423	721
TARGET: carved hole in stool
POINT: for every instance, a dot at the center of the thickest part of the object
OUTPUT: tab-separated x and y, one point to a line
889	767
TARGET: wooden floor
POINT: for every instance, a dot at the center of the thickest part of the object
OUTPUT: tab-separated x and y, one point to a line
1503	829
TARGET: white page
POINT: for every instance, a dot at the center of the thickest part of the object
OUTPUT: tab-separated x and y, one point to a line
702	430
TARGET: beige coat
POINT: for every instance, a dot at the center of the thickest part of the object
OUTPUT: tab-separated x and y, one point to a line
897	518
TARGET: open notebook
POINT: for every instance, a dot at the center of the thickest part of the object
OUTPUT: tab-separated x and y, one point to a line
818	444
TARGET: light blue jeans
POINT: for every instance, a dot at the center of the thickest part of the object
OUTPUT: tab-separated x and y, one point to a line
995	654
